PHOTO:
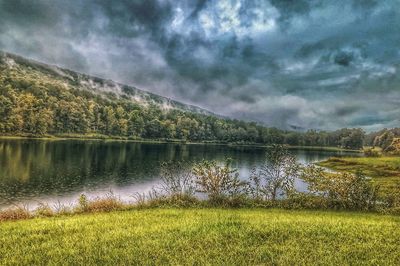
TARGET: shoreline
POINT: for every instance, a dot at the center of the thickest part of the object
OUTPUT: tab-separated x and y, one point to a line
120	139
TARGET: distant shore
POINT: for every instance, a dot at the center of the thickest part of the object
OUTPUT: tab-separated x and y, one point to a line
97	137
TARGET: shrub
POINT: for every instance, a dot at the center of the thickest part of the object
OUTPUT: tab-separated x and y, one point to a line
44	210
177	179
108	203
217	181
83	202
343	190
17	213
391	203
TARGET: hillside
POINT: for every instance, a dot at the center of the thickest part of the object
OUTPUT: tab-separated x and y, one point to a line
93	84
38	99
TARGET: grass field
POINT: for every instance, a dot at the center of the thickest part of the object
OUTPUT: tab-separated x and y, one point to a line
385	170
203	236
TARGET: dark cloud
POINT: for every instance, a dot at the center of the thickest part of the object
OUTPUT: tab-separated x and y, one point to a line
200	5
346	110
308	63
344	58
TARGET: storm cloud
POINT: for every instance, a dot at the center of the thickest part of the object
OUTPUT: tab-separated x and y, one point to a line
311	64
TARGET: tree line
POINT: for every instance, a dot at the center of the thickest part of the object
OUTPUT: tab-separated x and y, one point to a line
35	104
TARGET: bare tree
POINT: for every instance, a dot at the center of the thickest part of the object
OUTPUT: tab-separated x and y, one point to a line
277	175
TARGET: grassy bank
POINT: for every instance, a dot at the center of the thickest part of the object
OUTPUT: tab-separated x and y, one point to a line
203	236
384	171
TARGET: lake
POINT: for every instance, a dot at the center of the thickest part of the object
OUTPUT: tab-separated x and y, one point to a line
33	171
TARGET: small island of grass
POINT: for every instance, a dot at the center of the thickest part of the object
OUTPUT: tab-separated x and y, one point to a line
384	170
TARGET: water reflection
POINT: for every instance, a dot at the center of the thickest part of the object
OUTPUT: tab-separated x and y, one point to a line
37	170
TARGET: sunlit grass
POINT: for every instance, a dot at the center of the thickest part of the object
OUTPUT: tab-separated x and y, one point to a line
203	236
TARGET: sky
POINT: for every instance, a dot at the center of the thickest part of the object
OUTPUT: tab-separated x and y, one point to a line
285	63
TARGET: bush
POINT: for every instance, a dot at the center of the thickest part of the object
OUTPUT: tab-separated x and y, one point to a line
343	190
108	203
17	213
218	182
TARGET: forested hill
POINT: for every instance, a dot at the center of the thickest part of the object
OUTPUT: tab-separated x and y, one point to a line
107	88
38	99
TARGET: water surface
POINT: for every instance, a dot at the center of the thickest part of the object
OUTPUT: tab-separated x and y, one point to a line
33	171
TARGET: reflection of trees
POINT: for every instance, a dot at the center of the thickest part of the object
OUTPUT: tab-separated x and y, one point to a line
31	168
17	164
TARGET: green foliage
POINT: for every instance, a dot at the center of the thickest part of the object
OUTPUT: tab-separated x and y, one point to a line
218	181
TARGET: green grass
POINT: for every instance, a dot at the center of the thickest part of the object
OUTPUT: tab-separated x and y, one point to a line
384	171
203	236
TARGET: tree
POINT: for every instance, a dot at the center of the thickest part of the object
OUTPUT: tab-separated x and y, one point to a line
183	128
153	129
110	120
121	127
252	134
135	124
6	108
354	140
276	177
292	138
